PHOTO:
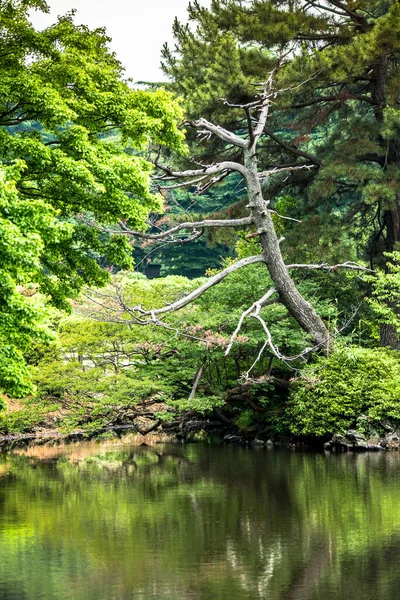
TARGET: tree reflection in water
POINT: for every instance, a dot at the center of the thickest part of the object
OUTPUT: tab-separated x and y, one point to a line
110	521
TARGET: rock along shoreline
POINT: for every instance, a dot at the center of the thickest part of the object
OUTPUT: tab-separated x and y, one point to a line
201	429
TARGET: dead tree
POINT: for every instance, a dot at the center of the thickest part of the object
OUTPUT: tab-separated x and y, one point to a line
284	289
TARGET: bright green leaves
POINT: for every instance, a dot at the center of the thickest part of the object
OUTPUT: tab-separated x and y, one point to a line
154	116
385	298
82	174
67	118
26	225
25	228
331	394
14	374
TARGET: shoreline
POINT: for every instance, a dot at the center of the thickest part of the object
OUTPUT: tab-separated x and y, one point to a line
176	432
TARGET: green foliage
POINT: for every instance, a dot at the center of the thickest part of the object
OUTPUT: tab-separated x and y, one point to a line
245	419
337	111
25	419
385	298
334	392
73	148
200	403
61	91
24	226
103	371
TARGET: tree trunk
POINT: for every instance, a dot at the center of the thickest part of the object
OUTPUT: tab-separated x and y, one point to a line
391	218
290	296
389	337
392	225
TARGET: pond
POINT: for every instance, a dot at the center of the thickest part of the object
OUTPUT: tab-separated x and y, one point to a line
115	521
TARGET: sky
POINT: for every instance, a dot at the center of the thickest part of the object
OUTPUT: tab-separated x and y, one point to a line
138	28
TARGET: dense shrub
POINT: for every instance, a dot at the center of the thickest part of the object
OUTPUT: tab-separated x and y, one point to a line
334	392
24	419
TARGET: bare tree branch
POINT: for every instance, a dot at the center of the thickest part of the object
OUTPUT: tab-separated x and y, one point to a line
325	267
276	170
223	166
244	262
267	95
255	306
266	99
293	149
182	184
196	380
274	348
274	212
247	105
221	132
187	225
200	189
278	354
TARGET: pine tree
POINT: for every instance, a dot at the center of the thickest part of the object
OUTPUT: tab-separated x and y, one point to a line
338	109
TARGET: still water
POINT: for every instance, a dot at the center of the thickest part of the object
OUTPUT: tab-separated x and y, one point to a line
171	522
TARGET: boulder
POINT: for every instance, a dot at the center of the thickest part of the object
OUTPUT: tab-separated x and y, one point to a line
352	440
391	440
355	436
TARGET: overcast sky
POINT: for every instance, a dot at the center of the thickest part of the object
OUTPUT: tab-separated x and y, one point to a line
138	28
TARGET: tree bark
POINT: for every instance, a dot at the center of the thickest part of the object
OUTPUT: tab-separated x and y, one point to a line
389	335
299	308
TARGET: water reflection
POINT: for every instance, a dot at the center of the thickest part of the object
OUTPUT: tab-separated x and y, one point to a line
170	522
